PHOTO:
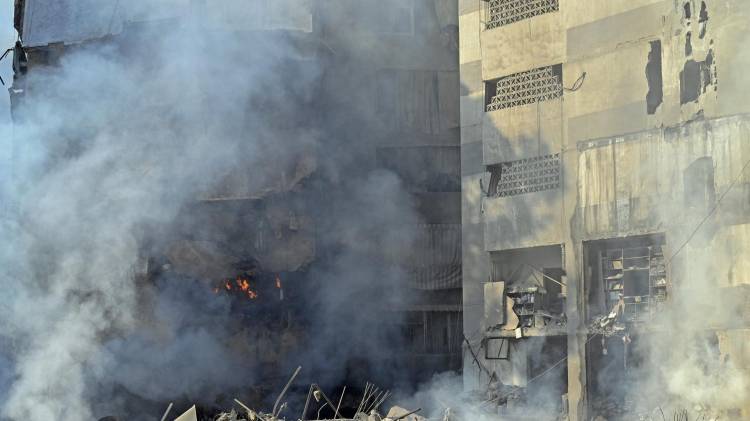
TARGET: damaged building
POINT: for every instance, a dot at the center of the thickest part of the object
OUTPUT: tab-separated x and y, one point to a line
577	170
603	155
253	234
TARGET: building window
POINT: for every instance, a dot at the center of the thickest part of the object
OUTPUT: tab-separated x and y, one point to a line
525	176
523	88
632	276
505	12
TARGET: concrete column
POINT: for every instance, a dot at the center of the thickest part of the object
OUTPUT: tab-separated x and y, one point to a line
576	297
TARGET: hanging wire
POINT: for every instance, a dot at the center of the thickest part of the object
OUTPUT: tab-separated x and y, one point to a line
1	59
577	84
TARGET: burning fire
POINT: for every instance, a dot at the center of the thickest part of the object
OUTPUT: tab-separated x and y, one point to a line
241	285
278	286
246	286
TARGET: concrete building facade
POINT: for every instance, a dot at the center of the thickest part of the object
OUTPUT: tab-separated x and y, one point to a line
386	88
592	192
603	156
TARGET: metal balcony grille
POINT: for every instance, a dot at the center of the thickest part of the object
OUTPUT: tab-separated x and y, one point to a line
525	176
523	88
505	12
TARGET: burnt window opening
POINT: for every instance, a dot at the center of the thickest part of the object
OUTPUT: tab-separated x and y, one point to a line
628	277
527	289
540	304
655	94
613	363
504	12
686	8
523	176
703	14
702	20
696	77
552	350
536	85
527	303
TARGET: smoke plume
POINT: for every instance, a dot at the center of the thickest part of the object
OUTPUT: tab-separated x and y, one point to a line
116	139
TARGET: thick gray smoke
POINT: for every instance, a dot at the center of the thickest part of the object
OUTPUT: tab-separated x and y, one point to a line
114	142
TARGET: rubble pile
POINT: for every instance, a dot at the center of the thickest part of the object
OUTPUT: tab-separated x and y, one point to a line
317	401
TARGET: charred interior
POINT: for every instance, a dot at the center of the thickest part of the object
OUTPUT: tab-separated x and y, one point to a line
375	210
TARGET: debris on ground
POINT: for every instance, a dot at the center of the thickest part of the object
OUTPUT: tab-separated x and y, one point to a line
317	402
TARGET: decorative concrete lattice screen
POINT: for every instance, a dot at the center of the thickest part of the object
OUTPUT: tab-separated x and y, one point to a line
526	175
523	88
505	12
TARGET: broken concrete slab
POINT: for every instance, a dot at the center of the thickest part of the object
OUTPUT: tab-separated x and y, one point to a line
189	415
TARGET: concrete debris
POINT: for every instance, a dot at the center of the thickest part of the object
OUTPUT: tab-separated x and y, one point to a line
228	416
189	415
317	403
610	324
399	413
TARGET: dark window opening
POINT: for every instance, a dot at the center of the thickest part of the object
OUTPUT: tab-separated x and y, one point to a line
655	94
530	280
702	20
627	276
696	77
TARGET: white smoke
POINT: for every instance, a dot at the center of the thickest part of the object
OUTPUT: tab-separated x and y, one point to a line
115	139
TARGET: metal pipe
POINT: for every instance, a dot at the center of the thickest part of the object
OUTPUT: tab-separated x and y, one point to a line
407	414
340	399
307	404
169	408
283	392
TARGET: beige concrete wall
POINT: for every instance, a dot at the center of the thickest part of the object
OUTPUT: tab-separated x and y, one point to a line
635	183
580	12
475	260
622	23
735	344
470	27
628	175
612	99
731	32
525	220
523	45
522	132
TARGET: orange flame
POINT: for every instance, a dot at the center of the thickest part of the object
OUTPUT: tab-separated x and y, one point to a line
278	282
241	284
